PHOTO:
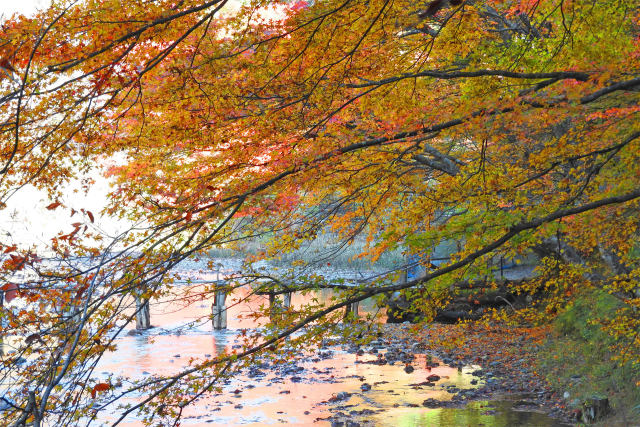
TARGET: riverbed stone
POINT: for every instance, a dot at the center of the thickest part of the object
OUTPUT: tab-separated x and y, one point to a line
433	378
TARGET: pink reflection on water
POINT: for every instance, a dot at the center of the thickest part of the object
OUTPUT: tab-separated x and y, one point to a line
274	399
167	348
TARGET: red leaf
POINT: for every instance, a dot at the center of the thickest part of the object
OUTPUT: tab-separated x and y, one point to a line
77	224
15	263
90	215
54	205
81	290
99	387
301	4
10	291
6	64
10	249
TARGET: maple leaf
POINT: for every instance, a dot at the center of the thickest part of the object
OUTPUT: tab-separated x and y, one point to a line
6	64
99	388
10	291
15	262
10	249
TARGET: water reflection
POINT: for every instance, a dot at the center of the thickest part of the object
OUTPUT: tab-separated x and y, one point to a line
184	331
480	413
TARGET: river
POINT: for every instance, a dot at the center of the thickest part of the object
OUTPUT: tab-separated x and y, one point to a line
336	385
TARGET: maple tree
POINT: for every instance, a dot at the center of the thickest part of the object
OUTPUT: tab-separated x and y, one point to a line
506	126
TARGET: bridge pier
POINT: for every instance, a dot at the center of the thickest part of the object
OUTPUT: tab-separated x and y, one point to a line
351	308
275	307
219	309
143	316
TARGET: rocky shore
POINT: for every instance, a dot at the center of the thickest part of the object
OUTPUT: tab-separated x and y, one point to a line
502	360
436	375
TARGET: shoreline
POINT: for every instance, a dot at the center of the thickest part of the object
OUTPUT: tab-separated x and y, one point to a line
506	370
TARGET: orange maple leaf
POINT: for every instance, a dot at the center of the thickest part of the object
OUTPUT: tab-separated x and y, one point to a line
99	387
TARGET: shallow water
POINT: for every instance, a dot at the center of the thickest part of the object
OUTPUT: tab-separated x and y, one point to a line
311	394
479	413
302	399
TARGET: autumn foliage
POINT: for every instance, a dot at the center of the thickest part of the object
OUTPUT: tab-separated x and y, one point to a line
508	127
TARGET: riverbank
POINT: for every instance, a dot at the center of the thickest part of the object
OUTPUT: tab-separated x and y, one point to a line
503	369
486	374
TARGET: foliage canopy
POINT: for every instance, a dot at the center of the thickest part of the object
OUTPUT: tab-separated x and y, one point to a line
505	126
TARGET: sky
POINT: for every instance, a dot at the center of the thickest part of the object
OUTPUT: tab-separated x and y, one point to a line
26	221
9	7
